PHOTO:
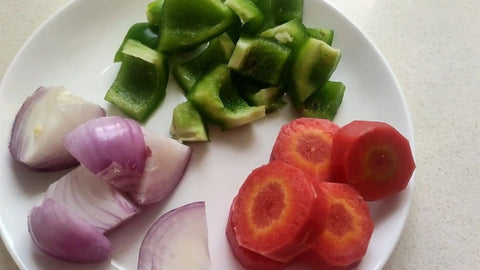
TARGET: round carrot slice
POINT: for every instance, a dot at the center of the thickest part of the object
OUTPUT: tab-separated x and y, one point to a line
306	143
275	212
345	240
248	259
373	157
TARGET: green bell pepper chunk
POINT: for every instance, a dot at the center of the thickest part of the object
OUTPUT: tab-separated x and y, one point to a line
287	10
144	32
291	34
185	24
218	51
323	34
218	100
260	59
154	11
324	103
250	15
141	81
187	124
311	67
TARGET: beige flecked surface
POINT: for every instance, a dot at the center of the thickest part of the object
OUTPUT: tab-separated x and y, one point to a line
433	47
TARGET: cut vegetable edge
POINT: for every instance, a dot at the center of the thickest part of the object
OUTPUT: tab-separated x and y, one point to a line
177	240
62	234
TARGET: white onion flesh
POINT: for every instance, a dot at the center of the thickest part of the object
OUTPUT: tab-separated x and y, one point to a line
177	240
61	233
41	123
164	168
93	199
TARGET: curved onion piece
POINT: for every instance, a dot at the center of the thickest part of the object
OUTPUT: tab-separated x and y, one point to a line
64	235
93	199
41	123
177	240
164	168
112	147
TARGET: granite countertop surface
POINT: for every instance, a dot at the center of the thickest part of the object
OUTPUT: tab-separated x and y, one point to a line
433	47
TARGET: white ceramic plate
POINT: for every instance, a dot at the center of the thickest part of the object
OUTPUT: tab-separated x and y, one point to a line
75	48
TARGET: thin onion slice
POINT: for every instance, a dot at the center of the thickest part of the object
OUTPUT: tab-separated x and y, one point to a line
59	232
164	168
93	199
41	123
112	147
177	240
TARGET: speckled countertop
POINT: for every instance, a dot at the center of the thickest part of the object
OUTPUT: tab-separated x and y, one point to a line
433	46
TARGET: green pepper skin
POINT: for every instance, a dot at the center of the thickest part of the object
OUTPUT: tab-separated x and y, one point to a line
324	103
144	32
291	34
185	24
287	10
219	102
260	59
323	34
141	81
154	11
218	51
188	125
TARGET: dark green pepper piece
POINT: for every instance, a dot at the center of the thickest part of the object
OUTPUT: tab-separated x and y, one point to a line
250	15
185	24
218	100
324	103
265	7
141	81
144	32
154	11
287	10
218	51
260	59
311	67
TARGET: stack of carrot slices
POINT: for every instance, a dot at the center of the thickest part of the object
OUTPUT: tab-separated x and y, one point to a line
309	202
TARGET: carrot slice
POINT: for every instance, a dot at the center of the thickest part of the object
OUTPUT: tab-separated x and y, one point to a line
345	240
373	157
278	214
247	258
306	143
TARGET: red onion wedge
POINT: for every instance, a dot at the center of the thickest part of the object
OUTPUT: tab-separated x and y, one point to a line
177	240
59	232
164	168
41	123
93	199
112	147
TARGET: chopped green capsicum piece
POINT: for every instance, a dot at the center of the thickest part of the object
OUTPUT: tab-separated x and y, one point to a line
260	59
324	103
218	51
250	15
154	11
291	34
144	32
286	10
187	124
265	7
185	24
312	65
141	81
323	34
219	102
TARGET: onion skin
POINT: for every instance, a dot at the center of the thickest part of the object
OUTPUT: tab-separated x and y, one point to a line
93	199
177	240
164	168
41	123
112	147
66	236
